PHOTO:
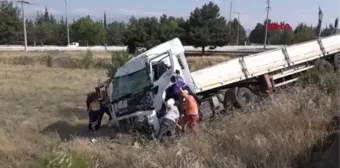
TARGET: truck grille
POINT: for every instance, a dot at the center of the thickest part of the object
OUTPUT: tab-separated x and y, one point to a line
135	100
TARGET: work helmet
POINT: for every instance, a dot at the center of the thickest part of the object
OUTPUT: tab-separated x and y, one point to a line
170	102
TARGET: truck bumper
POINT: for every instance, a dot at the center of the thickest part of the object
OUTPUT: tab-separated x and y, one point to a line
149	117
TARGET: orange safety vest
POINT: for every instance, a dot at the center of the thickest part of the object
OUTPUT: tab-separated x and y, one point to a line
191	107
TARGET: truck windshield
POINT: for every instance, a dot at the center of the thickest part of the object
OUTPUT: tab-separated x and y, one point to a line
130	83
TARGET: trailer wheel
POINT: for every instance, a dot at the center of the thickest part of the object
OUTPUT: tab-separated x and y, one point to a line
244	97
336	60
324	65
229	98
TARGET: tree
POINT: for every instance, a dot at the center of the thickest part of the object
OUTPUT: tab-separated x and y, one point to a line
182	29
46	28
10	23
206	27
287	37
115	32
329	30
257	34
142	32
168	28
30	32
233	32
304	33
87	31
105	20
274	37
61	33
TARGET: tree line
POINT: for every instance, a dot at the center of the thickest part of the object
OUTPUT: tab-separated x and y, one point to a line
204	27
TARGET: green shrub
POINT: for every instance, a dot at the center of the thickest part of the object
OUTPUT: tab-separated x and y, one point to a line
62	159
325	80
117	60
49	61
23	60
88	59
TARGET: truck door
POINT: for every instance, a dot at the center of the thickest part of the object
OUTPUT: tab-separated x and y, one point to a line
185	71
161	69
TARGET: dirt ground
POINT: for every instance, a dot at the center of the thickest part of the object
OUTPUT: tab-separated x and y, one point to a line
42	110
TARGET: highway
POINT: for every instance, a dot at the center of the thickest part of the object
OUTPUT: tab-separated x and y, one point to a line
224	49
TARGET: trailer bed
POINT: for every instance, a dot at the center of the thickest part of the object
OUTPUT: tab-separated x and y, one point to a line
242	68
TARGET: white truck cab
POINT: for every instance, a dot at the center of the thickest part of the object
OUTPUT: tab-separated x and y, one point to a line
138	86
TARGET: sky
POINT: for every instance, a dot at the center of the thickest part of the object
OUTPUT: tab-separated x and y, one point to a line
251	11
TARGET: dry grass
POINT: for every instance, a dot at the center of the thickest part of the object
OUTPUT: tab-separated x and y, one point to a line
196	63
98	54
33	97
74	60
42	110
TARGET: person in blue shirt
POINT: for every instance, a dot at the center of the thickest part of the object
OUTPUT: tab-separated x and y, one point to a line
179	83
174	93
182	84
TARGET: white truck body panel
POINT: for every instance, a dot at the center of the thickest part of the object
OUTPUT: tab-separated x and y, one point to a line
267	61
331	44
137	63
303	52
262	63
218	75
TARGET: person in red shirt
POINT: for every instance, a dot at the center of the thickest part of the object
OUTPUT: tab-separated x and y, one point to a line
191	112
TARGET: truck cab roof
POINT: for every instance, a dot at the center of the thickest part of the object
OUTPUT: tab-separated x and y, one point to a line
138	62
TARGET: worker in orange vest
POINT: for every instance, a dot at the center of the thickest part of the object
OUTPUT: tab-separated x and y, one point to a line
191	112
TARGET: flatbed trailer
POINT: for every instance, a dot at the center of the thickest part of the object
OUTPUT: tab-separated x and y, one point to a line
137	93
235	81
277	63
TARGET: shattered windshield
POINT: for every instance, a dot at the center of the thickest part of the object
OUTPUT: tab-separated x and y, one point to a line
130	83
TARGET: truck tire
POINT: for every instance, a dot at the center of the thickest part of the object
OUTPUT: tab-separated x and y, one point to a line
324	65
336	60
229	98
244	97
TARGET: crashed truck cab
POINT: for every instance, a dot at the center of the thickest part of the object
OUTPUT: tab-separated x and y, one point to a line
136	93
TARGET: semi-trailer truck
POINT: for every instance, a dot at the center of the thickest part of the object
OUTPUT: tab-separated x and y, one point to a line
136	92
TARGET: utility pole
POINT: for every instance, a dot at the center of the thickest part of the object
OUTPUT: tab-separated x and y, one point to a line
24	20
68	29
266	24
230	10
238	27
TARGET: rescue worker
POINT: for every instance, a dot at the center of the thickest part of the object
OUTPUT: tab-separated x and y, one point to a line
169	121
176	94
94	113
191	112
96	117
181	83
